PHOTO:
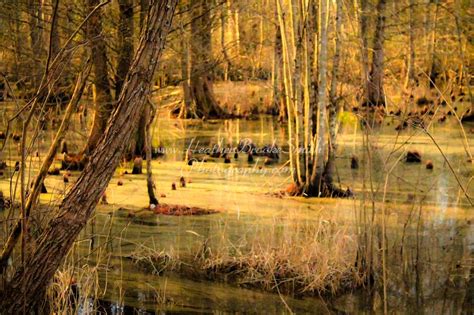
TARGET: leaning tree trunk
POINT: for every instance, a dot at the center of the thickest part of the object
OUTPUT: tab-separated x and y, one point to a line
201	61
375	92
25	289
102	91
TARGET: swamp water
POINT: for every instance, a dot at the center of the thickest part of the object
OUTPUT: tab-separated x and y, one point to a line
425	211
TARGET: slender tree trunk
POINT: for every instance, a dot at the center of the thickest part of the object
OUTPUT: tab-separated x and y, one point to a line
433	67
376	92
102	91
201	62
316	188
313	58
186	109
137	148
333	102
297	92
25	289
36	37
278	101
55	38
364	46
411	45
140	136
224	41
236	29
125	47
288	89
150	185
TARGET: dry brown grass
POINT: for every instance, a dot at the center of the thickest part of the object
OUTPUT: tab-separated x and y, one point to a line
61	294
316	258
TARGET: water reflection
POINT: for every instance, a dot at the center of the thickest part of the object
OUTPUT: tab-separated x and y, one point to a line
430	234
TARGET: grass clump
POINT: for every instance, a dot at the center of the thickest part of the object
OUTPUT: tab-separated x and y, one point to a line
302	259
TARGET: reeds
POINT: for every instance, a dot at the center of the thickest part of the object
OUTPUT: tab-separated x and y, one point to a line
315	258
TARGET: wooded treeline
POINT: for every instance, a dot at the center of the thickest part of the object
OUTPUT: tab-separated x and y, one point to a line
100	59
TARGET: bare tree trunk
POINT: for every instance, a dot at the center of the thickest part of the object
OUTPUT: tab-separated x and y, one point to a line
288	88
186	109
278	101
236	28
140	136
364	46
433	67
36	36
334	107
376	92
201	62
297	93
55	40
411	45
125	47
316	188
313	57
137	148
102	91
25	289
150	185
224	42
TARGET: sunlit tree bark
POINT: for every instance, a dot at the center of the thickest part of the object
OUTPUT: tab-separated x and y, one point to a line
305	73
376	92
102	90
25	289
201	61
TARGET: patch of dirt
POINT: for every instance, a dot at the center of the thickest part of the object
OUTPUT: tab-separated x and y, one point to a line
178	210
